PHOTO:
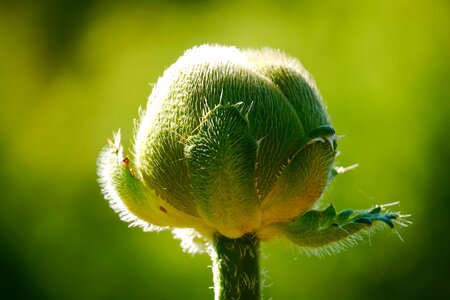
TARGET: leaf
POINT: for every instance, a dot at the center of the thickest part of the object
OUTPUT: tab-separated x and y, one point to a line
326	231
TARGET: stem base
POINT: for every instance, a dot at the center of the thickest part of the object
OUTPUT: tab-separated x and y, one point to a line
236	268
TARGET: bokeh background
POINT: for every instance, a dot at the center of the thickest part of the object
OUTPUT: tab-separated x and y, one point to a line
72	72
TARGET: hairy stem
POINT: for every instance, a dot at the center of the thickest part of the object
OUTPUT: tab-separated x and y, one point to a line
236	268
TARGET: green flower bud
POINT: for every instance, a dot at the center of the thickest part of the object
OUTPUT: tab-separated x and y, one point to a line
231	142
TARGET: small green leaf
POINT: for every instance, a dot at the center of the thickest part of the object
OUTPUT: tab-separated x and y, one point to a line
325	230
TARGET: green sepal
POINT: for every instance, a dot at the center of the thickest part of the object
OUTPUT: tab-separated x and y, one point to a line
316	229
299	185
132	199
221	158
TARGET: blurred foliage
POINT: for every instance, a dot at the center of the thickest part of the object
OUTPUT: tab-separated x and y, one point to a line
71	72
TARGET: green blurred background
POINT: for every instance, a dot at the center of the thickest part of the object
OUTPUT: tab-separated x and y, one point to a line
72	72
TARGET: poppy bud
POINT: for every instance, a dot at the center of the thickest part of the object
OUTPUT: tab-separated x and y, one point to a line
231	142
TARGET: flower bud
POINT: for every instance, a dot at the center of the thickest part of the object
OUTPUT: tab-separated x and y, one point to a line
231	142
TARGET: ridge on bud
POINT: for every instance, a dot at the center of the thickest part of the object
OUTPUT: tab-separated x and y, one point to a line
231	142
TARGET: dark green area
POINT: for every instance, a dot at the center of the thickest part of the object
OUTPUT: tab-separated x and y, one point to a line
71	72
238	267
323	228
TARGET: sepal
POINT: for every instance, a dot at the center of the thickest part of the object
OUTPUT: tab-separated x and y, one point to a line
328	232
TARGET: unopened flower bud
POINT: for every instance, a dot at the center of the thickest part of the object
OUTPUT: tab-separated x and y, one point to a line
231	142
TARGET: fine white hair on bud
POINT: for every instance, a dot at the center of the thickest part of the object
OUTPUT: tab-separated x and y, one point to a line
109	161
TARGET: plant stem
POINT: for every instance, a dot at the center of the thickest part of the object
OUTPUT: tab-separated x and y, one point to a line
236	267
